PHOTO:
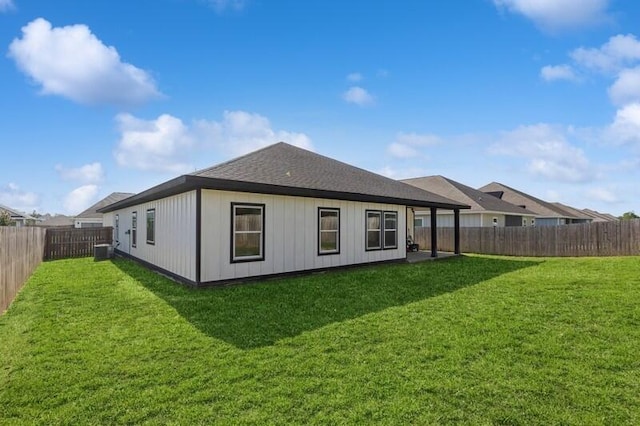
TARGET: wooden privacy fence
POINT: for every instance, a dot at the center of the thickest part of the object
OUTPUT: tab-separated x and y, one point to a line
620	238
75	242
20	254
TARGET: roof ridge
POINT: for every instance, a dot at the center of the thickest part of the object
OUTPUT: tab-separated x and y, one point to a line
235	159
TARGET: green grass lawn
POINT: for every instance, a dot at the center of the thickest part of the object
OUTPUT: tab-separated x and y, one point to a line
473	340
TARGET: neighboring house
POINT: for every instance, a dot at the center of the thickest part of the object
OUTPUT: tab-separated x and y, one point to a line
600	217
548	213
91	218
278	210
486	210
18	218
581	216
57	221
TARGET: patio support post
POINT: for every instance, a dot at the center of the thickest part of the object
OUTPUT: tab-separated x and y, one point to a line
456	231
434	233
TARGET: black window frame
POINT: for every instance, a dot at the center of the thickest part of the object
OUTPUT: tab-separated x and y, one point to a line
384	230
320	231
367	230
232	240
134	228
381	232
153	228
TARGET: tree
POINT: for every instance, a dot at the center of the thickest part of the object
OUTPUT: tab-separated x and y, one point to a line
5	218
629	215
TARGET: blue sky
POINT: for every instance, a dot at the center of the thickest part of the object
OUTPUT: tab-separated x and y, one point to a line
104	96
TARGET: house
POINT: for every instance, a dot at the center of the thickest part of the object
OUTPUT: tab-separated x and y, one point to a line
275	211
486	210
581	216
18	219
91	218
548	213
56	221
600	217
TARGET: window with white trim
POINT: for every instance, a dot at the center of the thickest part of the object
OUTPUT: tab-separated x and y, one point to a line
390	230
328	231
247	232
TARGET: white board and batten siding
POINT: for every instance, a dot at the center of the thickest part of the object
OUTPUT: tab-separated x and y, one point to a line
174	249
291	235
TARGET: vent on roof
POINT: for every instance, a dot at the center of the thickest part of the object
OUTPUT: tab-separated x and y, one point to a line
497	194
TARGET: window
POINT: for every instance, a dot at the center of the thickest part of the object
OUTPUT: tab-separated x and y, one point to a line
134	229
390	230
374	230
418	222
382	230
328	231
151	226
247	232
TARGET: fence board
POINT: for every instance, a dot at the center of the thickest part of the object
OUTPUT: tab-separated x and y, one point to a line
21	252
620	238
75	242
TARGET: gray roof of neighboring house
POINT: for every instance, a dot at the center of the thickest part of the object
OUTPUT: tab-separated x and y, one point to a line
571	210
57	221
284	169
478	200
600	217
519	198
92	212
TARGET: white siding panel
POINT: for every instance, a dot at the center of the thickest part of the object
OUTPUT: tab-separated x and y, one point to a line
291	235
175	233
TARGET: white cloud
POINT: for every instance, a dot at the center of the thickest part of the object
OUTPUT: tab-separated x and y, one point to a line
359	96
354	76
547	152
160	145
556	15
602	194
615	54
80	198
72	62
557	72
241	132
408	145
626	125
6	5
89	173
223	5
12	196
166	143
382	73
626	88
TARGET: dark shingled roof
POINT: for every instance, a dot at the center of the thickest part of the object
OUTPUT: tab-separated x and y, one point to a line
287	170
478	200
114	197
519	198
573	211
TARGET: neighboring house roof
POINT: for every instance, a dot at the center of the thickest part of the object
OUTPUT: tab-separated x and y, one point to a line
15	214
580	214
600	217
519	198
57	221
92	212
287	170
478	200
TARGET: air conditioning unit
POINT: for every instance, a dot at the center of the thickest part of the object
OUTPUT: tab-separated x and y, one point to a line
102	252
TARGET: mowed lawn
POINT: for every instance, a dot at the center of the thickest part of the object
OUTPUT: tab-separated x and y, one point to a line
473	340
